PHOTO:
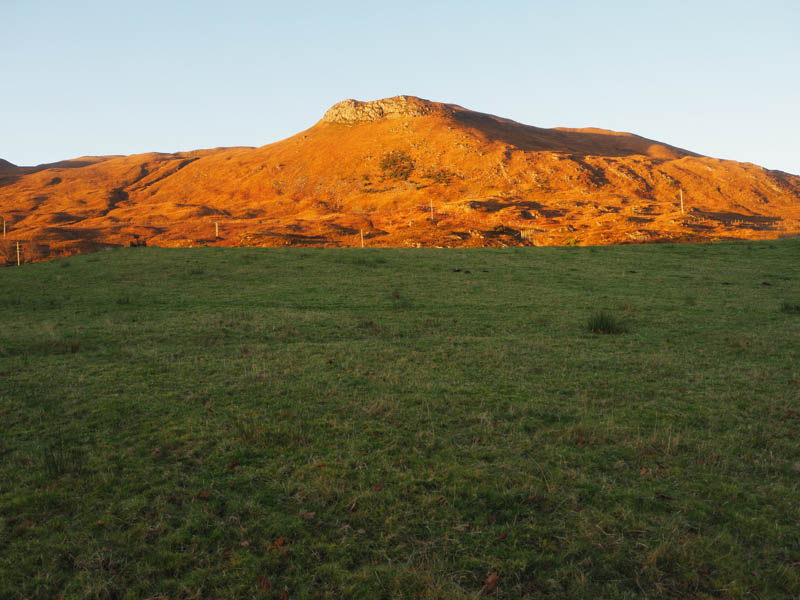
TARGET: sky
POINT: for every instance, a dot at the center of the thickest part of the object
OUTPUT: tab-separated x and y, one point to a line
78	78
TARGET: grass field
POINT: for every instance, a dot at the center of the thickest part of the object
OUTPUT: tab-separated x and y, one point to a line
298	423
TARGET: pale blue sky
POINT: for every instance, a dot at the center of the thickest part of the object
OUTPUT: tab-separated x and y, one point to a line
104	77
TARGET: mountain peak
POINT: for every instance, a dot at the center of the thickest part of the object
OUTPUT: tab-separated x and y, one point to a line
397	107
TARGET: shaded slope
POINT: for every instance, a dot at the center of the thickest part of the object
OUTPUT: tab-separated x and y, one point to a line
8	169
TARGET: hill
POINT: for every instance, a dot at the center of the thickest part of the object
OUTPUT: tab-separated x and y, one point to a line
7	167
405	172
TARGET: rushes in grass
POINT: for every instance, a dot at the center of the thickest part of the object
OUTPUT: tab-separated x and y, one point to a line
11	301
399	300
367	261
60	458
249	429
50	341
791	307
605	323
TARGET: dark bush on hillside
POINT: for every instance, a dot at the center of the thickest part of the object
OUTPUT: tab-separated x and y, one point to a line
397	165
442	176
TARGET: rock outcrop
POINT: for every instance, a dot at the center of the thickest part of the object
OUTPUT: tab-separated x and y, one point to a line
397	107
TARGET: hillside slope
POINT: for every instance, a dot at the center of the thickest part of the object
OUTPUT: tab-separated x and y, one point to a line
7	167
405	172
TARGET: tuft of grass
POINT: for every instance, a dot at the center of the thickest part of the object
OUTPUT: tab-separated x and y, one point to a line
399	299
604	323
13	300
366	261
792	308
249	428
60	457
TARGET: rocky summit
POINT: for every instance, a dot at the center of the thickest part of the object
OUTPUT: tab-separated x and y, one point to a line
398	107
400	171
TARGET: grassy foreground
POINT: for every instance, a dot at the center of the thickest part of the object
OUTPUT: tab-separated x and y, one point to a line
290	423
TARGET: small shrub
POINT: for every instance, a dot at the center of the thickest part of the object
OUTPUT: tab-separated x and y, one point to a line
397	165
604	323
442	176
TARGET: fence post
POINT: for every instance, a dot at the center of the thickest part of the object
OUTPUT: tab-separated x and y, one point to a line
17	252
682	202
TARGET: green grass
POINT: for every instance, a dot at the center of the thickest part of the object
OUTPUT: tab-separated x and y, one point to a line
244	423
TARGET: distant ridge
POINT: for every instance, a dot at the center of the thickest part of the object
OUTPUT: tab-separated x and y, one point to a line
403	171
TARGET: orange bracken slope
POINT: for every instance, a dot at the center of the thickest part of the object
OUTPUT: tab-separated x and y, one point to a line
405	172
